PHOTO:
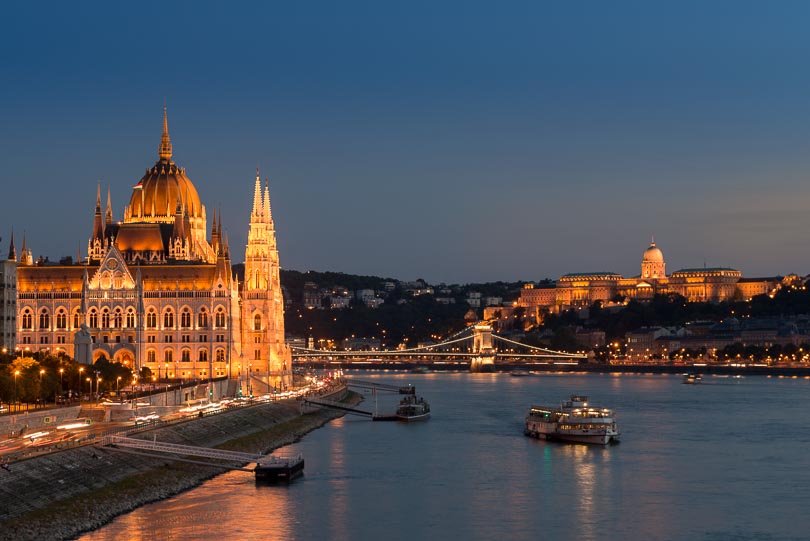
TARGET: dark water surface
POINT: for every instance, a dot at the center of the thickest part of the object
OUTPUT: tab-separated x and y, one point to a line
728	459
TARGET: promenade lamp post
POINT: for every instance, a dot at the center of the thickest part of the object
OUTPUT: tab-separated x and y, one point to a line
16	374
118	379
90	385
41	373
81	369
61	380
98	380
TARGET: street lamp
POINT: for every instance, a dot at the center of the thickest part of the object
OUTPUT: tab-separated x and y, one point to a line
116	385
16	373
39	393
90	385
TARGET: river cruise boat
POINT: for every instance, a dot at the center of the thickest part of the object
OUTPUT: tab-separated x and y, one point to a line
573	421
412	408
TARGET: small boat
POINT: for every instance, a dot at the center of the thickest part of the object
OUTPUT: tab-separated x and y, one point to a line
420	370
519	373
412	408
574	421
692	379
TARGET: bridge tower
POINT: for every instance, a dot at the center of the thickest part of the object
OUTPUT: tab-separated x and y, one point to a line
484	360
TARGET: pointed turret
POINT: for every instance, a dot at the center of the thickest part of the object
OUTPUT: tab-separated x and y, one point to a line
98	219
26	257
12	252
257	198
266	213
165	148
179	223
108	215
216	240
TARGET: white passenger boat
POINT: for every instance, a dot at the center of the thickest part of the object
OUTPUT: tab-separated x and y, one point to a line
573	421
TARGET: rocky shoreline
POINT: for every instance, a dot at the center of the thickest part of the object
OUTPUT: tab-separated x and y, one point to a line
107	495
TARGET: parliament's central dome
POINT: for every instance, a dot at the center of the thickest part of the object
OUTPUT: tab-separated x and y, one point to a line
155	197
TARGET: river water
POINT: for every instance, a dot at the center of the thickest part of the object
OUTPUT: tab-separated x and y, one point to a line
725	460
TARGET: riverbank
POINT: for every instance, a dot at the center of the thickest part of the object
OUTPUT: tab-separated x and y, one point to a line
61	495
450	366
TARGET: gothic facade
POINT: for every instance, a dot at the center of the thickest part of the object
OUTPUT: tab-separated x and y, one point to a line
157	291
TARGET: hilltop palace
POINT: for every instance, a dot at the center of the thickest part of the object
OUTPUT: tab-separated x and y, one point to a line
156	291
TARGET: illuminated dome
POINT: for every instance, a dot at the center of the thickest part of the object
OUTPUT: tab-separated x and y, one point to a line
653	254
156	195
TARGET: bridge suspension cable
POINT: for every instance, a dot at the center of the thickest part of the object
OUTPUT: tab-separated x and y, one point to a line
535	348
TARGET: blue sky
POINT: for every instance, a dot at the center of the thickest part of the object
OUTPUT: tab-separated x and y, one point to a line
455	141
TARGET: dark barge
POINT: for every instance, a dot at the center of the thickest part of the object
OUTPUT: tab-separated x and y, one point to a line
277	470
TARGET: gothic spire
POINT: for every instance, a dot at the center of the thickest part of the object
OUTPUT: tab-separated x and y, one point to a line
98	219
12	253
165	148
257	198
108	215
268	216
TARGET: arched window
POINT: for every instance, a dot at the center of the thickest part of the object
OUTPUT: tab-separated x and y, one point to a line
185	319
150	356
44	319
202	319
220	318
203	356
151	319
168	319
117	318
105	318
220	355
93	318
27	320
130	319
168	356
257	322
61	319
77	320
185	355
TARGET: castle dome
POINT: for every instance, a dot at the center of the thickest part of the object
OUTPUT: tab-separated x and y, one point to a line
653	254
156	195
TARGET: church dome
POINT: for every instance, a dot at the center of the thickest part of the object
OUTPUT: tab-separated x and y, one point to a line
155	196
653	254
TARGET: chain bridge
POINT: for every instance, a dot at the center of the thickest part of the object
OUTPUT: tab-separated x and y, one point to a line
476	343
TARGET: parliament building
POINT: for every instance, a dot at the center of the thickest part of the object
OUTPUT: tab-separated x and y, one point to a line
157	288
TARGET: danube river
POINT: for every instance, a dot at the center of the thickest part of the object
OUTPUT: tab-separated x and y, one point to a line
727	459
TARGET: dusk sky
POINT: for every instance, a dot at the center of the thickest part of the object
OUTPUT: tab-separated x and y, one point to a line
457	142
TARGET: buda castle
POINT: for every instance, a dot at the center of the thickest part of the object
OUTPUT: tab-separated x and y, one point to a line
579	290
157	289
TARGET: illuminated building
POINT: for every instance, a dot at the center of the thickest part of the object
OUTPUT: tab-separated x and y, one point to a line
711	284
156	291
8	299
